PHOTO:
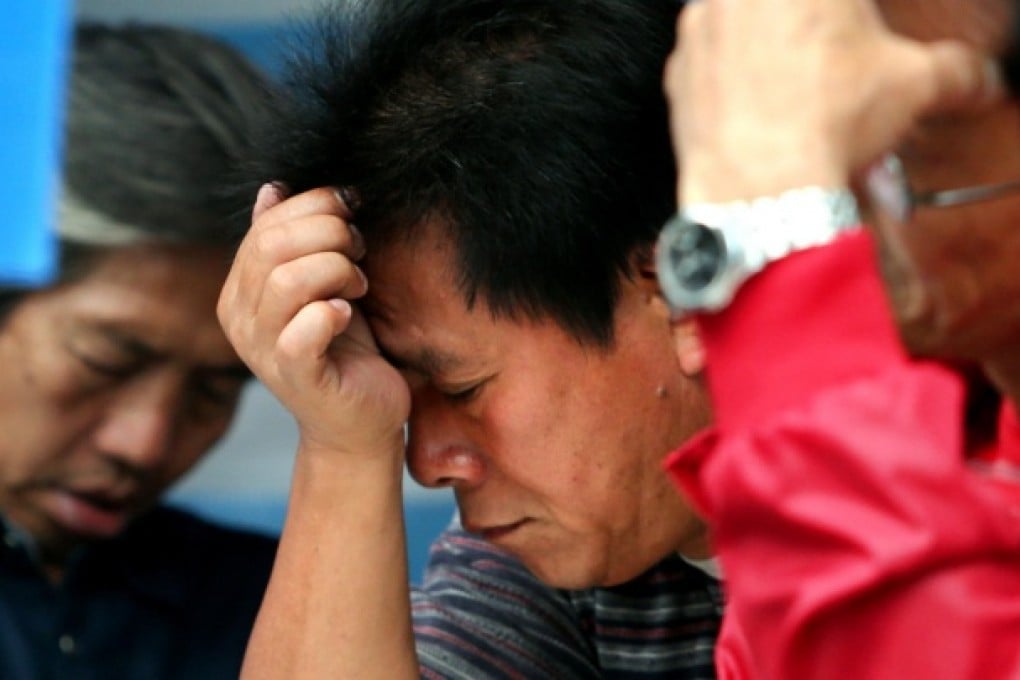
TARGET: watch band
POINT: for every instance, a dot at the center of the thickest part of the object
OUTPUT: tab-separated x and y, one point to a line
771	227
708	250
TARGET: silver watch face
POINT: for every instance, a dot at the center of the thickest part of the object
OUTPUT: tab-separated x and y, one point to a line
691	257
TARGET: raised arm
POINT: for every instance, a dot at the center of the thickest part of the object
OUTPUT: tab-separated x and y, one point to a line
337	605
855	539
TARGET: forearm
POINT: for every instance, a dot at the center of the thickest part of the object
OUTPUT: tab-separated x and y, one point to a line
337	605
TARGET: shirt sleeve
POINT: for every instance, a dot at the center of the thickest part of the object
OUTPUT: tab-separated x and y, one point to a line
481	614
854	538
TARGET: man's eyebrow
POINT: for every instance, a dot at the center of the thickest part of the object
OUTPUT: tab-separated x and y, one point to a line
144	352
128	342
428	360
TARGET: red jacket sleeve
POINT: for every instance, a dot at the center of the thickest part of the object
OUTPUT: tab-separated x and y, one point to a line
855	540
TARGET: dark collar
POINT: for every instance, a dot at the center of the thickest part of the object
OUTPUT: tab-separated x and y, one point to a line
146	558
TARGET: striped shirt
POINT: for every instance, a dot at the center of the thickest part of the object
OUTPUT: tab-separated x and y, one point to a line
481	614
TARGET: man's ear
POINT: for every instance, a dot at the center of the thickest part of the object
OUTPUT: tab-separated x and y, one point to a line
690	352
686	339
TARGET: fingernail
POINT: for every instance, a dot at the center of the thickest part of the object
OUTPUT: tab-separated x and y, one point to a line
270	194
339	304
267	195
364	279
357	241
282	190
349	197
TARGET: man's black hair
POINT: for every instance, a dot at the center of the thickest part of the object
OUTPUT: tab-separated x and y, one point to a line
535	130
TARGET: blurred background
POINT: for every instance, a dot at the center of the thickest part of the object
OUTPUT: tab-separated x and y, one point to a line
245	480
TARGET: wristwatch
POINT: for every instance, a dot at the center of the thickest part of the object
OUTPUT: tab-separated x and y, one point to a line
707	250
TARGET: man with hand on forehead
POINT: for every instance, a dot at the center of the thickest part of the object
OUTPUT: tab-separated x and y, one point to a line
859	535
507	166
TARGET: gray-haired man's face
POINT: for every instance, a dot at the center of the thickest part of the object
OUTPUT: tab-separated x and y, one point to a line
113	387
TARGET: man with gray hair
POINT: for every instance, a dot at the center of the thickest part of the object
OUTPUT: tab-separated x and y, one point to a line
117	378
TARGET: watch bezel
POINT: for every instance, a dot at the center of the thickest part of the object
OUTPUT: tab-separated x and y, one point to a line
752	234
717	292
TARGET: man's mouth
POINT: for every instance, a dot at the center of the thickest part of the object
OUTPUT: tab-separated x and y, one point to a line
88	514
495	533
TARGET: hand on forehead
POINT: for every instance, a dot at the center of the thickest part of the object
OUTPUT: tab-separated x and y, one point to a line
820	89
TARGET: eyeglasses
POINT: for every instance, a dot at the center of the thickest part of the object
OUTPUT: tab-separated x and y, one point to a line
889	189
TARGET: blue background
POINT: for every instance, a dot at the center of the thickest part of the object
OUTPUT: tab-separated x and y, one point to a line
33	65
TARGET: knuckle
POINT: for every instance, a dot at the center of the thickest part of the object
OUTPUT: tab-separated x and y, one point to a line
227	320
340	265
284	281
223	310
265	243
333	272
295	343
339	234
691	18
288	349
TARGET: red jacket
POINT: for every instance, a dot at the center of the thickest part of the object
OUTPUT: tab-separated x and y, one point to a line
856	539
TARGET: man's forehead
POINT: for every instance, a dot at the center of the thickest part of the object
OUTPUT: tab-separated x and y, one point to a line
417	287
428	338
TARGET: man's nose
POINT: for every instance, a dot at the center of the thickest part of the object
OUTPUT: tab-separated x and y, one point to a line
141	420
440	451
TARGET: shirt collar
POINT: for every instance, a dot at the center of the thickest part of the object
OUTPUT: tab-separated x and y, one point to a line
709	566
136	558
149	561
16	538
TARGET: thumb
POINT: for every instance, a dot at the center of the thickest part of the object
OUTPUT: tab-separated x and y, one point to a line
359	334
270	194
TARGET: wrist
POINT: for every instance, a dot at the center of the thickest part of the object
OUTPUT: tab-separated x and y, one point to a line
723	177
332	471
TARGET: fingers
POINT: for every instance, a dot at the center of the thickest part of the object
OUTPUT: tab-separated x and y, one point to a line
321	201
294	285
929	79
270	194
307	336
277	242
285	231
299	250
821	88
286	308
961	78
